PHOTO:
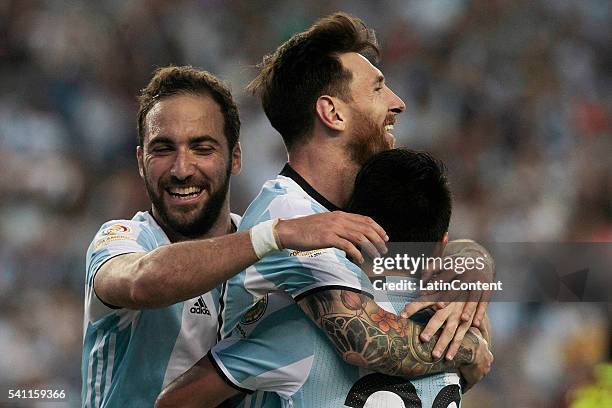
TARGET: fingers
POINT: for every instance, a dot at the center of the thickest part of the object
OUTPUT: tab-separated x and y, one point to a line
352	253
413	307
363	232
374	225
363	221
468	312
434	324
449	329
374	239
456	343
482	308
439	305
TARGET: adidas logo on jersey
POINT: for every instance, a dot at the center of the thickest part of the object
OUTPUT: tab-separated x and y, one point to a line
199	307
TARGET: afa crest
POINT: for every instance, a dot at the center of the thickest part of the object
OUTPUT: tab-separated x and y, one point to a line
256	312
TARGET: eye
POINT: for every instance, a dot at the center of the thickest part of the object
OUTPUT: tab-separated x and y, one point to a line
203	149
161	149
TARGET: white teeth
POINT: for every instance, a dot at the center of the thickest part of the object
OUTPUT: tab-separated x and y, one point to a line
389	128
185	190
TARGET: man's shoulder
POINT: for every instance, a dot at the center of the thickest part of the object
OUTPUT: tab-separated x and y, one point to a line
279	198
141	222
141	233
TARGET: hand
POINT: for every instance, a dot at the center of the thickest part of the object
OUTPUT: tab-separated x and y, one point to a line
455	313
337	229
474	372
467	306
448	316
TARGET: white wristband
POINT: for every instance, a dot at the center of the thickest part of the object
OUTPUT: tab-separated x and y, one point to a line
264	238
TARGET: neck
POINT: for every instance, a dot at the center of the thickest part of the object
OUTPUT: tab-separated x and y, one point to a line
327	169
222	226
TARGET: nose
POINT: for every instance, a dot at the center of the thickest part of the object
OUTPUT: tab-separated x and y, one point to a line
183	166
396	103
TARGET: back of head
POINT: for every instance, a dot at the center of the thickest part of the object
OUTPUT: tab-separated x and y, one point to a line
180	80
307	66
405	192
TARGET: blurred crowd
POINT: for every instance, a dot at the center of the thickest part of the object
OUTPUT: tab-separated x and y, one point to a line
514	95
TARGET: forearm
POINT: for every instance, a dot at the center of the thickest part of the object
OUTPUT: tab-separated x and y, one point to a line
367	336
173	273
198	387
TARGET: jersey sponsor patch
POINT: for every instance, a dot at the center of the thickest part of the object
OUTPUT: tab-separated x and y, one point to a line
116	229
256	312
199	307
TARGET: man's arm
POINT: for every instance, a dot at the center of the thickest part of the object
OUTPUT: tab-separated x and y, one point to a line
180	271
368	336
200	386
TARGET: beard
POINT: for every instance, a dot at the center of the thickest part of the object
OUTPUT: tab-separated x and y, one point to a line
368	139
187	224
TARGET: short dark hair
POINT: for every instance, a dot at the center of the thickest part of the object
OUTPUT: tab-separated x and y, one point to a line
307	66
177	80
406	192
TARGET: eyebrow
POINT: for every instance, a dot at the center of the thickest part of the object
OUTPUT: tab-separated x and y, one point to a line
203	139
379	79
194	140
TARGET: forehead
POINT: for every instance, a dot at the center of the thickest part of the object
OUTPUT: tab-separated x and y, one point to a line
363	71
181	117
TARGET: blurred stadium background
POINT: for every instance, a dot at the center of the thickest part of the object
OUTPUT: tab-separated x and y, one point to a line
515	96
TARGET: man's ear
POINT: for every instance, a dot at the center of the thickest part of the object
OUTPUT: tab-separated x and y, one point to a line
140	159
236	159
330	112
439	249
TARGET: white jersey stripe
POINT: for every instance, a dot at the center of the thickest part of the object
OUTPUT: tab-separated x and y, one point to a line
111	361
90	369
259	400
99	371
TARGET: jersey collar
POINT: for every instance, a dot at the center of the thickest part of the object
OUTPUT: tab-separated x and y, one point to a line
288	171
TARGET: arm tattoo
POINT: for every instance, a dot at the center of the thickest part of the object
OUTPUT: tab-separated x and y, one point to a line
368	336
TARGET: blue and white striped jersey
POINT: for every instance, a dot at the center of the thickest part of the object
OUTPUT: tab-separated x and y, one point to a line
276	348
293	272
130	355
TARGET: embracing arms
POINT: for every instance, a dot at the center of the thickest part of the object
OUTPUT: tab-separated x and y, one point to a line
368	336
180	271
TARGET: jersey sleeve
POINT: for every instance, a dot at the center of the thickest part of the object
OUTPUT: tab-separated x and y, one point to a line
113	239
267	350
299	273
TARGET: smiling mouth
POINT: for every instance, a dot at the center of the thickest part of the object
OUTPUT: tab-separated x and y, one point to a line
185	193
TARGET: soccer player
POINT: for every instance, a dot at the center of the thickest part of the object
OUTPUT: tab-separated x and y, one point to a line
334	110
151	295
274	349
